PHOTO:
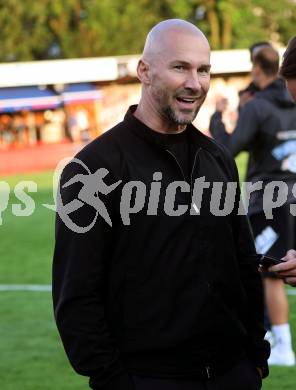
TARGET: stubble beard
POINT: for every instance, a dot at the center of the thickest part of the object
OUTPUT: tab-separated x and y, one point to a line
176	118
168	112
172	115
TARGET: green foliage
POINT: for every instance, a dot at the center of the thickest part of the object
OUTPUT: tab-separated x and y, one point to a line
24	34
257	20
80	28
85	28
240	23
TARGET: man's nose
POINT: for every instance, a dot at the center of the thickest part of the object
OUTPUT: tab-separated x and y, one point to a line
192	81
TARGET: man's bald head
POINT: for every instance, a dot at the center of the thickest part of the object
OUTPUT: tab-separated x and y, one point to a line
175	74
157	38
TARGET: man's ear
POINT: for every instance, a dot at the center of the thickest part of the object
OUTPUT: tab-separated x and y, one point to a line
144	72
256	70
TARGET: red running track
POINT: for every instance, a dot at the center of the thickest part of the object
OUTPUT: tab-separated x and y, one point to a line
35	158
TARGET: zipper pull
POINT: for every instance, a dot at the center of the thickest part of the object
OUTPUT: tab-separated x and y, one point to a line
208	371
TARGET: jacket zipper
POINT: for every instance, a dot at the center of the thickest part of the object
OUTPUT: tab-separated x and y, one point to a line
191	176
172	154
191	193
181	170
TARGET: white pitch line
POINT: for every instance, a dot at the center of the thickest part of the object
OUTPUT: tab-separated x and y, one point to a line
47	288
25	287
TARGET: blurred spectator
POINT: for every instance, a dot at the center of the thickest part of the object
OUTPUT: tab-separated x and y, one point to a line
247	94
83	125
265	128
287	270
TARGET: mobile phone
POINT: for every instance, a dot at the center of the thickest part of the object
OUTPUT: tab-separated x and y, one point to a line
268	261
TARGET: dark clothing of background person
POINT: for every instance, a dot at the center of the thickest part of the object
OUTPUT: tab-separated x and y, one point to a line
166	296
251	89
266	128
246	94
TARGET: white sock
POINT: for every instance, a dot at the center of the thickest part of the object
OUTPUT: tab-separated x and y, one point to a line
282	335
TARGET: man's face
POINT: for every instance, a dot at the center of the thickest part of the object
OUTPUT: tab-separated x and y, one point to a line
180	77
291	85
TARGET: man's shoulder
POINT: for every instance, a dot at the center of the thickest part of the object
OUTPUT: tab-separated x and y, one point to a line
106	139
255	104
103	151
257	108
211	145
216	149
105	143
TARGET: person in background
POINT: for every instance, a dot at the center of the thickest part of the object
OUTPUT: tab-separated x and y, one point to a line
169	299
287	270
245	96
265	129
288	67
248	93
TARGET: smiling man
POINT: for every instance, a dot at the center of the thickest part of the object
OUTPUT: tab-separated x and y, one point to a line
169	301
175	79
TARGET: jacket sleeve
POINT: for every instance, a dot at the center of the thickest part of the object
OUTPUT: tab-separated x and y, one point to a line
258	348
79	294
244	133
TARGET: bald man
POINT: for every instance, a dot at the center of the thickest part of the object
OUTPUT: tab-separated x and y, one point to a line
168	296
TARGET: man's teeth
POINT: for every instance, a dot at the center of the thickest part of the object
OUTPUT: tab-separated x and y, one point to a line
187	100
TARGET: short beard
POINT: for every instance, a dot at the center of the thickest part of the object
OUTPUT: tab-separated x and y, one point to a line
173	118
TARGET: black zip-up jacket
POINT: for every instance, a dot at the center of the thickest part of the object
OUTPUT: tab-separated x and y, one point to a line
165	296
266	128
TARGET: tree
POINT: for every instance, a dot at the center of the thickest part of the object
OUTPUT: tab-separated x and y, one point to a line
86	28
24	34
240	23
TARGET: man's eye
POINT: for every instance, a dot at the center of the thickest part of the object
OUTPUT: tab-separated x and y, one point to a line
204	71
179	67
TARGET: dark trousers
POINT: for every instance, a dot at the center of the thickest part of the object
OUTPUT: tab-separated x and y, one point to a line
243	376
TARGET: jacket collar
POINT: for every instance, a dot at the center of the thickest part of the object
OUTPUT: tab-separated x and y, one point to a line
196	137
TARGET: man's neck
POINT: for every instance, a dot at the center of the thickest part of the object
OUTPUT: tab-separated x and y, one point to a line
266	81
154	121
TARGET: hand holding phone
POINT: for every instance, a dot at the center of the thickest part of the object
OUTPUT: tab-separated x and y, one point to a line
287	270
268	261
